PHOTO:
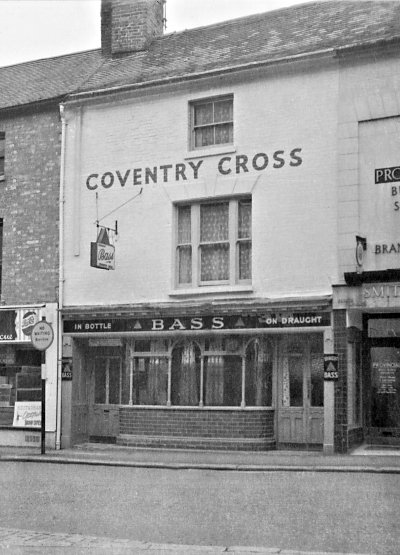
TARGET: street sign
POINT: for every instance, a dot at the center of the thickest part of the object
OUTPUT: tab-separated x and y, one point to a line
42	335
331	371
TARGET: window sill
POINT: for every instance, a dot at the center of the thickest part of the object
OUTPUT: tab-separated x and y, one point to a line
210	151
207	290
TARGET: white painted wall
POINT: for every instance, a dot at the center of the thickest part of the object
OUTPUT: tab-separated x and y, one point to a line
369	103
294	208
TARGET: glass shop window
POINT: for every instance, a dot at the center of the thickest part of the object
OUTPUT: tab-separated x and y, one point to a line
185	375
222	373
150	380
18	383
258	377
150	372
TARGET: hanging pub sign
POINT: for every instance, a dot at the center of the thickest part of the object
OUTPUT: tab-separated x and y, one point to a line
331	372
102	253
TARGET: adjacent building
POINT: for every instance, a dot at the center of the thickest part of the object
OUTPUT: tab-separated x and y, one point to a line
30	149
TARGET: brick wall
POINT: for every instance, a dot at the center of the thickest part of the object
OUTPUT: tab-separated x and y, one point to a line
197	428
340	347
130	25
29	206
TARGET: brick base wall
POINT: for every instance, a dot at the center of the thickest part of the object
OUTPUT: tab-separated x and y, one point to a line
355	437
214	429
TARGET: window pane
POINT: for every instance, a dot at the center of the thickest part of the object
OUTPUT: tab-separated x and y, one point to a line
114	381
214	262
185	264
258	374
150	381
385	387
214	222
317	370
295	374
184	224
317	380
100	380
223	381
224	134
185	375
203	114
244	224
223	110
204	136
245	260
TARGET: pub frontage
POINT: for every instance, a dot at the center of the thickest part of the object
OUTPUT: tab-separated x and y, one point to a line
249	377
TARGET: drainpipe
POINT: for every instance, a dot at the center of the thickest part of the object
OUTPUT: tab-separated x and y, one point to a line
60	274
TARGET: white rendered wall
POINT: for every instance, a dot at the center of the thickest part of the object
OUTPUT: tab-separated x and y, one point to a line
294	207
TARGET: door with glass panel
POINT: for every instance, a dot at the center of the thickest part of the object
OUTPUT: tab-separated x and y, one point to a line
105	396
301	390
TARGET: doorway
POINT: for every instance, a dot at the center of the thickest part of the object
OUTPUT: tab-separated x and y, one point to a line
300	402
105	398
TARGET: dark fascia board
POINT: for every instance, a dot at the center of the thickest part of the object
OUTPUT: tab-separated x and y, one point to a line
355	278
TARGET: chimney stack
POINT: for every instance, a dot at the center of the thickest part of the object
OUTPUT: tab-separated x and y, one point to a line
130	25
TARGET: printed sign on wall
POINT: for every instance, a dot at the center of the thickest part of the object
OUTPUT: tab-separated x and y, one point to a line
379	167
17	325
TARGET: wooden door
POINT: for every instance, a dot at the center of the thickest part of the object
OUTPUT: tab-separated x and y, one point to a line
105	397
300	391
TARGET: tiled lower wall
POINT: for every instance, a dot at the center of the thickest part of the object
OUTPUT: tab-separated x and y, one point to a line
217	429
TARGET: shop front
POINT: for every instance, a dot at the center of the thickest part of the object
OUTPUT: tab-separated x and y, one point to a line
21	378
243	380
374	373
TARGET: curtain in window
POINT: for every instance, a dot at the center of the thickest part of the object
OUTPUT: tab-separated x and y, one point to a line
184	245
214	228
150	381
185	375
258	374
214	381
244	232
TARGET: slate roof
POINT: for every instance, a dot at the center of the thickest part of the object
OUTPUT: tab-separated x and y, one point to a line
268	37
50	78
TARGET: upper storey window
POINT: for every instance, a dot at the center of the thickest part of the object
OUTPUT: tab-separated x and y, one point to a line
212	122
214	243
2	153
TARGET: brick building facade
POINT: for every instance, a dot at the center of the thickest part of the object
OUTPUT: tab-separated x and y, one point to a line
31	134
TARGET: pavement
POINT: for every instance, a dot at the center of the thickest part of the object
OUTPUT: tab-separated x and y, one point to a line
15	541
363	459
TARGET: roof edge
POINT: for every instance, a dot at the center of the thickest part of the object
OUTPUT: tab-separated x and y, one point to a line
75	97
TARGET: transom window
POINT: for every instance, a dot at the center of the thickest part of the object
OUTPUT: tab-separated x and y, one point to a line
214	243
212	122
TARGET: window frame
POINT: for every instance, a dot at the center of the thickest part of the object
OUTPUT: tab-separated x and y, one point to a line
193	104
195	243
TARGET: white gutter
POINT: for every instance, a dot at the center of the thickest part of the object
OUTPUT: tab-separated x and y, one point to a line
60	276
